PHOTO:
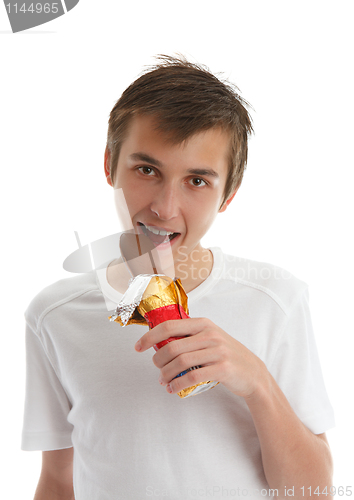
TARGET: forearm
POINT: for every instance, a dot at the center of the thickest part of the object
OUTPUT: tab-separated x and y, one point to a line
292	455
48	489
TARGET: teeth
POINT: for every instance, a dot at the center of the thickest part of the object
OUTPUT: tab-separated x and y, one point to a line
156	231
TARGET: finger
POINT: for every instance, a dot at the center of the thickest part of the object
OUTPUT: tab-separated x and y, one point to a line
185	361
185	344
171	328
193	377
155	335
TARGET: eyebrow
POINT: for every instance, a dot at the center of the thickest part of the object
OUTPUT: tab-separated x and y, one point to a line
195	171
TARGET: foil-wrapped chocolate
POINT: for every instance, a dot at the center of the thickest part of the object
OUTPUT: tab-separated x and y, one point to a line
150	300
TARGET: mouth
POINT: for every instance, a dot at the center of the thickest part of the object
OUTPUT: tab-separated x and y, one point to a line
157	235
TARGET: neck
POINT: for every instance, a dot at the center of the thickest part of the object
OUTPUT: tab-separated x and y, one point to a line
192	272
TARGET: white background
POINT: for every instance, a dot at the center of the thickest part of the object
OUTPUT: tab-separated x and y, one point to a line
291	60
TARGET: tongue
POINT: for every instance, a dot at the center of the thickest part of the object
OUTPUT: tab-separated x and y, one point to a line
157	239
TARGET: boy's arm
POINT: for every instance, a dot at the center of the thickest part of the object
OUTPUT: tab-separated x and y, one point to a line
56	480
292	455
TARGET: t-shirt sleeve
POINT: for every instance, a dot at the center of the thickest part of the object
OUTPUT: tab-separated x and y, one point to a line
45	425
297	370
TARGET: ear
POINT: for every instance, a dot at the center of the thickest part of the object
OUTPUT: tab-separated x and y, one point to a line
228	201
107	165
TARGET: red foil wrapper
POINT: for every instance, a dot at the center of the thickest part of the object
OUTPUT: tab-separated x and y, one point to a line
156	316
163	299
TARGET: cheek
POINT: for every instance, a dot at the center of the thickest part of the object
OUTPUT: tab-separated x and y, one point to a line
201	218
129	201
133	192
124	209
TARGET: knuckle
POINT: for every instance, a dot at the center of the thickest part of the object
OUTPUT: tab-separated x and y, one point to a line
206	322
169	327
193	377
172	348
182	361
224	367
223	353
155	360
212	335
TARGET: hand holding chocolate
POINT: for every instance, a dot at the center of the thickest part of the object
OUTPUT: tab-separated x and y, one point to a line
152	298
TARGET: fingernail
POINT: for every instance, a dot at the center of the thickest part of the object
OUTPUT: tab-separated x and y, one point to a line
138	346
160	380
169	389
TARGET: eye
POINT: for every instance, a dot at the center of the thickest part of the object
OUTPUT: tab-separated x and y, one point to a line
145	170
197	181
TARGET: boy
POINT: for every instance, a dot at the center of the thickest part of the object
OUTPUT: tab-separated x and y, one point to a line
177	148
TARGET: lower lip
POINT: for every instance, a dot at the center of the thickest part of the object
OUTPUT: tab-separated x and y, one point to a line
168	244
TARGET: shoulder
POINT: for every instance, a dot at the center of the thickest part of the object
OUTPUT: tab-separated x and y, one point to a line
264	278
57	294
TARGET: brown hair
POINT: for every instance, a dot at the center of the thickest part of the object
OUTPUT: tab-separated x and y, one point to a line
185	98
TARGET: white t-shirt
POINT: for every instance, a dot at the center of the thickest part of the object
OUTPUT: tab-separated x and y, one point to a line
87	387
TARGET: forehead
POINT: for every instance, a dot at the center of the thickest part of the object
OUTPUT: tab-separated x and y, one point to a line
211	146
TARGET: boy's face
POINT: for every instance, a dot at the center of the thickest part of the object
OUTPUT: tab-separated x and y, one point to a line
176	188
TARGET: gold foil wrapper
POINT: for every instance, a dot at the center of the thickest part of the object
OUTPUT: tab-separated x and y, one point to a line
197	389
163	291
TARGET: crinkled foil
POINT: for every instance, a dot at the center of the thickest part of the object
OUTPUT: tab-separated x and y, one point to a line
197	389
147	292
163	291
130	301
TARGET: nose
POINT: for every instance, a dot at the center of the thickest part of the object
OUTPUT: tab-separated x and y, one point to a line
165	203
